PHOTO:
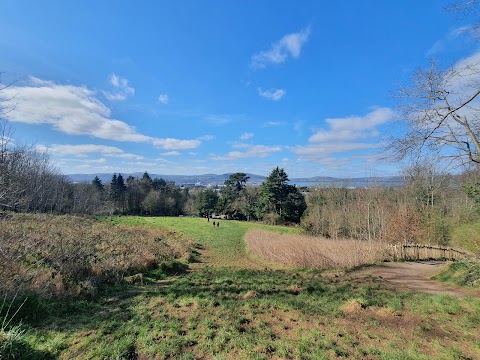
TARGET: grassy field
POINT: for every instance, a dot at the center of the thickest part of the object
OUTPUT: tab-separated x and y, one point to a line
467	236
232	305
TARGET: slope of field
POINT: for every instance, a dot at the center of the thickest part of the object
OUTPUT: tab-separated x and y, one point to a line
232	305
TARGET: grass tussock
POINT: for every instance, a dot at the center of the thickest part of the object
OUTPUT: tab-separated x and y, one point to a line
314	252
69	255
464	273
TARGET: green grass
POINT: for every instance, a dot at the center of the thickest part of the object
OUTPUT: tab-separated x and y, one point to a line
464	273
467	237
233	305
224	244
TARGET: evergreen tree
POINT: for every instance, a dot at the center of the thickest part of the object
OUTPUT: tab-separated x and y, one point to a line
97	184
280	198
207	202
146	182
274	190
113	187
232	196
118	190
158	184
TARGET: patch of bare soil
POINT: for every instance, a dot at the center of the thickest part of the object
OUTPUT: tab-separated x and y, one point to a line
415	276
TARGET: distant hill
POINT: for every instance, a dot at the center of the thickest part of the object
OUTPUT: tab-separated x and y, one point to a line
204	179
218	179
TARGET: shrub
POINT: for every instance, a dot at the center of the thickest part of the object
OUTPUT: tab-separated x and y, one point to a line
70	255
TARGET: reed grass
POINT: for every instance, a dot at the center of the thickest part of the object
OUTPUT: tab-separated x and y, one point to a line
314	252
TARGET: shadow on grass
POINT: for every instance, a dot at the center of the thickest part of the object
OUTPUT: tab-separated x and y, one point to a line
120	313
20	349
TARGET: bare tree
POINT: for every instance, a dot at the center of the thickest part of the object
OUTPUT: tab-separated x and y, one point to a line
468	10
439	113
27	178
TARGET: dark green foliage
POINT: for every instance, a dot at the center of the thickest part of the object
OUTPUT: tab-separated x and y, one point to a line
146	196
280	198
207	202
236	182
232	202
97	184
294	206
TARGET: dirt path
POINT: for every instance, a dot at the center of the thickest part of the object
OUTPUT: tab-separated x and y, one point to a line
415	276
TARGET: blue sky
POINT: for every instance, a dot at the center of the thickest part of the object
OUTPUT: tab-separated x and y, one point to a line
194	87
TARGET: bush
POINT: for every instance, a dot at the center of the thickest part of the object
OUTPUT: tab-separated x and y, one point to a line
70	255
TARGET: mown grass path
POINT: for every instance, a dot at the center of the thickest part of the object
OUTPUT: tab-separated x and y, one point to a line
223	246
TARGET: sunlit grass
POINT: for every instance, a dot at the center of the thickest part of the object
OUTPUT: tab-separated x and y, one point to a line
234	305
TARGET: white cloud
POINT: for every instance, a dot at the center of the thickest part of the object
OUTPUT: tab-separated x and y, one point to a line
121	89
344	135
82	150
272	94
250	151
289	45
353	127
75	110
92	161
170	153
147	164
246	136
176	144
163	99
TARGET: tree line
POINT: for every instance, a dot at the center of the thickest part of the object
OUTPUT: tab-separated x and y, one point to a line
29	182
426	209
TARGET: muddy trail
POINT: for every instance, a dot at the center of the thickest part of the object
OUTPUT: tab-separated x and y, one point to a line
414	276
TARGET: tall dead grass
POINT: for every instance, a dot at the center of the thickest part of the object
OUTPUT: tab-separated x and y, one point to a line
69	255
314	252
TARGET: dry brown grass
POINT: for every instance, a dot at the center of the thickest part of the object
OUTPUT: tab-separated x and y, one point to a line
314	252
69	255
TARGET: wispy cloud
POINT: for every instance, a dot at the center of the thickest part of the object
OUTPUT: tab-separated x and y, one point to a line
171	153
246	136
176	144
274	123
448	41
298	126
75	110
163	99
249	151
344	135
121	90
84	149
224	119
272	94
288	46
219	120
206	137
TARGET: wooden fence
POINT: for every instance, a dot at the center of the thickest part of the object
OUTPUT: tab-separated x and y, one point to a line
425	252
